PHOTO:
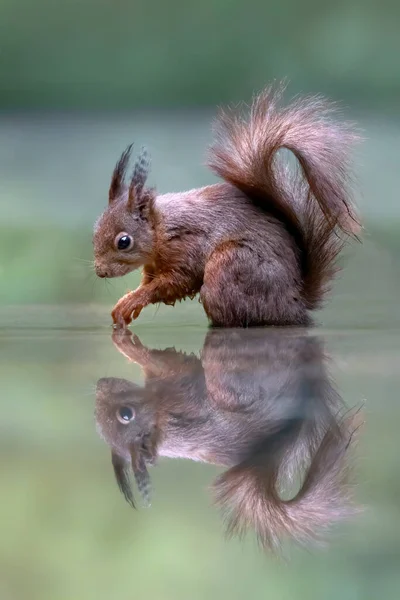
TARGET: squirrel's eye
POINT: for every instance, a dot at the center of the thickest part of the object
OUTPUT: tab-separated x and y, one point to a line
125	414
123	241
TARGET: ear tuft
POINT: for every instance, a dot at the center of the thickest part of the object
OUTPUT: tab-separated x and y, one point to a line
137	197
118	175
141	171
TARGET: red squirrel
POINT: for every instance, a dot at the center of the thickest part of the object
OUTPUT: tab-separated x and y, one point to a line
258	403
261	247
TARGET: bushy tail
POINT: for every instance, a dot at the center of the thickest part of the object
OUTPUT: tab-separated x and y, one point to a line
249	496
315	202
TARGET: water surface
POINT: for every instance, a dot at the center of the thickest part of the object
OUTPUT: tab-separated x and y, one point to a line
67	531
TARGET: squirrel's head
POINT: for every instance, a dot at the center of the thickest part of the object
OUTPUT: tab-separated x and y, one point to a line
127	423
123	236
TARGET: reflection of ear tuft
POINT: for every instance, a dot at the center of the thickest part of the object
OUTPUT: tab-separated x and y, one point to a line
121	471
143	453
143	483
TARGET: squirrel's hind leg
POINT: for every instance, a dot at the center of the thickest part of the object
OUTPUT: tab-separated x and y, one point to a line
242	287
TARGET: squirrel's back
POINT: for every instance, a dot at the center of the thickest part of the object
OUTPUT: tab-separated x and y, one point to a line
313	201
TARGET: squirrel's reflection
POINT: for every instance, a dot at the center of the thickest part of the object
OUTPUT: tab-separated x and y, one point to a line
259	403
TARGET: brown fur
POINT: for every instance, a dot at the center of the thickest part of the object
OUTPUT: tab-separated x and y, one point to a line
261	247
259	404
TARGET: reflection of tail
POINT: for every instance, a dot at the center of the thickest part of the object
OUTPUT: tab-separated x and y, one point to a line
249	498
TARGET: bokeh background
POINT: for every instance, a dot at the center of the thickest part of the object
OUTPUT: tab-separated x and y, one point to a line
79	80
82	79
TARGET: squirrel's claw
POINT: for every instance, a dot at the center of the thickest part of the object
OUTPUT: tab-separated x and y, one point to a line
119	325
120	321
125	310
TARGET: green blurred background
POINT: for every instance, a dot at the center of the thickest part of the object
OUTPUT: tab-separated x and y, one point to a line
82	79
134	54
79	81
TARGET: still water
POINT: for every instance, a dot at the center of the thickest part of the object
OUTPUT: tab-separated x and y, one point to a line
208	420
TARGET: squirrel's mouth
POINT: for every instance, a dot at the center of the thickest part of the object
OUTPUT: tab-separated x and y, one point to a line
118	270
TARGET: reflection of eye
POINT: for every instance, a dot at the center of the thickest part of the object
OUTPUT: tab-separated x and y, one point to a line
125	415
123	241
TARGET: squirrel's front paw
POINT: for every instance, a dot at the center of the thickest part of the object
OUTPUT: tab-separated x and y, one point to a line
125	310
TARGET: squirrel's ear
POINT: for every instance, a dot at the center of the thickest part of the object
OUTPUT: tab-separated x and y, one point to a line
137	198
118	175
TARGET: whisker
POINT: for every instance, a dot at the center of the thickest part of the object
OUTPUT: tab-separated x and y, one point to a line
90	278
94	281
84	260
86	264
107	284
86	394
88	390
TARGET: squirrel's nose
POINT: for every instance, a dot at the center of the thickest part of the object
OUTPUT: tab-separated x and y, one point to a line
103	273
